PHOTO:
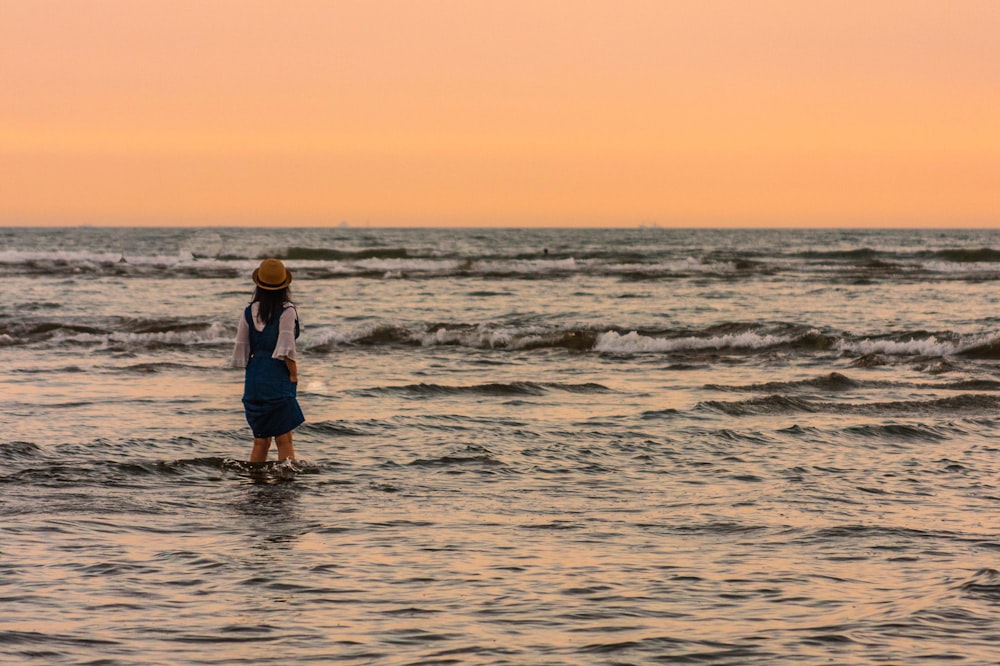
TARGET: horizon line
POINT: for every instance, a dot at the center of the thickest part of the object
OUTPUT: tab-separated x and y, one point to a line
553	227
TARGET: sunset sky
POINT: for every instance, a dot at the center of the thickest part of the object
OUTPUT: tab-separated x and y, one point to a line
501	112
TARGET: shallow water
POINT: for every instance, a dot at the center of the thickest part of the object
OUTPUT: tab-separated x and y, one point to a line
640	446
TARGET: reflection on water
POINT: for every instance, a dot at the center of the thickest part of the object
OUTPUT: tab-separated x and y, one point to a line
713	448
269	503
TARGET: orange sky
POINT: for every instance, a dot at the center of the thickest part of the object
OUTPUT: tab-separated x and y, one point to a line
511	112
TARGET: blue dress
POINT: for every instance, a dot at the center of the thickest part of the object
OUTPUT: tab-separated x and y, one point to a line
268	393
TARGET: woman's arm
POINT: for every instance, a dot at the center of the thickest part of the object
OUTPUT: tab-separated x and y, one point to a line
241	349
285	348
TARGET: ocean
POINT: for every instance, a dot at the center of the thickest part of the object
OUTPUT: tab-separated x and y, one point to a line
521	447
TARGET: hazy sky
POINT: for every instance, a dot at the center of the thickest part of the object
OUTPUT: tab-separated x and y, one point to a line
506	112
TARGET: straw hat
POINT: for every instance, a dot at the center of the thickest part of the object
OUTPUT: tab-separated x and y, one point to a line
272	275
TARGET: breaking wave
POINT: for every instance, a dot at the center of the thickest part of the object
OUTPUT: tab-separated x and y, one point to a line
482	336
736	338
125	334
323	263
917	344
634	343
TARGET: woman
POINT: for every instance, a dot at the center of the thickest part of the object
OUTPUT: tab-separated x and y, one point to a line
265	346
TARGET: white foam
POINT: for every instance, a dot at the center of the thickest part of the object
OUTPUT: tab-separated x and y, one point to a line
443	336
977	341
689	265
213	335
525	266
481	337
20	257
925	347
633	343
91	260
393	266
318	337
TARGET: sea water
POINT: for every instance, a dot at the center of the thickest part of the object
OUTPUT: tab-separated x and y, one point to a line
521	447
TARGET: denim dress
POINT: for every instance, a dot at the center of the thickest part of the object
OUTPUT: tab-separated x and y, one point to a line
268	393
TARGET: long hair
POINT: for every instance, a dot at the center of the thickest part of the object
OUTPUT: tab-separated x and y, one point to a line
272	302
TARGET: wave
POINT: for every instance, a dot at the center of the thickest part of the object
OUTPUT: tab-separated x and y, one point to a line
899	431
489	389
924	344
969	385
982	350
785	404
69	263
728	337
478	336
326	263
856	254
53	370
866	256
458	461
930	346
124	335
774	404
426	254
984	584
511	268
964	255
738	338
50	473
880	532
154	367
833	381
400	263
209	335
18	449
613	342
328	428
324	254
755	339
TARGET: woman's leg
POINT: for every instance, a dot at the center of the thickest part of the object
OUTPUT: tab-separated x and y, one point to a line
261	445
285	448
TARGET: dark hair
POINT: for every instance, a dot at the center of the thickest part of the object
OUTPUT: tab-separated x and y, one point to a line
272	302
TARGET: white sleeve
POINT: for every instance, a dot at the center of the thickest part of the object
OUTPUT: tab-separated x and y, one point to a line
285	348
241	350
